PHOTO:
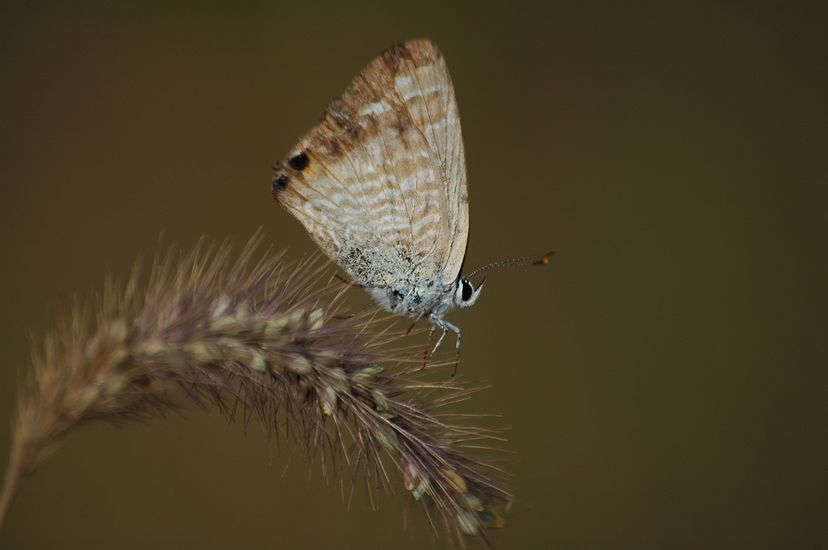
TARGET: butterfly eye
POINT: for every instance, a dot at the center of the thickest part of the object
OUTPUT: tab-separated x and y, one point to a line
468	290
466	294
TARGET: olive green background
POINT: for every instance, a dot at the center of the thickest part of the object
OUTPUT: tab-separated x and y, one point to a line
664	380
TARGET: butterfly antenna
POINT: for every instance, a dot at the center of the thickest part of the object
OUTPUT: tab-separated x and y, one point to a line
543	259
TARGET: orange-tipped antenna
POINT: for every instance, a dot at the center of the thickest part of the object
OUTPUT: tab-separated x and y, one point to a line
543	259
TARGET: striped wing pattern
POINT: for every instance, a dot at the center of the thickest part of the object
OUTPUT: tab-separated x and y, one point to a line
380	182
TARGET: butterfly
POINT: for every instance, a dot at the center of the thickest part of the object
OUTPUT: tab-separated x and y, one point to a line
380	185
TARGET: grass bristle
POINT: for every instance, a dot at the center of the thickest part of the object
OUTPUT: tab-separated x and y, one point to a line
257	333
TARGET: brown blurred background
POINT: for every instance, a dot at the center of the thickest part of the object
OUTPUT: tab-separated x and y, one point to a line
665	380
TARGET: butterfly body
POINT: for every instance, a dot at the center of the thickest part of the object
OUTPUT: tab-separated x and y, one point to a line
380	184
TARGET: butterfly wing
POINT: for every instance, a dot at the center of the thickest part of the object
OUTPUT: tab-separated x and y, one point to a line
380	184
424	84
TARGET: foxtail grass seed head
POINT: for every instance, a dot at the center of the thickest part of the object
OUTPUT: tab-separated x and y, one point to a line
274	337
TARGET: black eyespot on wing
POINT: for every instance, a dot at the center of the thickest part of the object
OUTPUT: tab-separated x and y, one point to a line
280	183
299	162
467	290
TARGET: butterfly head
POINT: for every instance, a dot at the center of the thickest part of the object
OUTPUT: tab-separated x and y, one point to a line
465	294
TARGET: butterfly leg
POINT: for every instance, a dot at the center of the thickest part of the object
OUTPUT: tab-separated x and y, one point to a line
459	333
426	354
414	324
439	323
446	326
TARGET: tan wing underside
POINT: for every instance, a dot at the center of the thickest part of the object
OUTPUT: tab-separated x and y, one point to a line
382	185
